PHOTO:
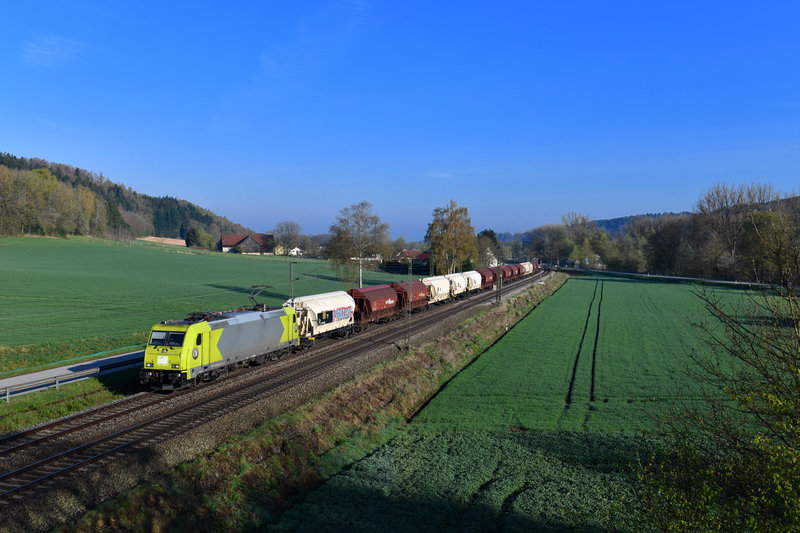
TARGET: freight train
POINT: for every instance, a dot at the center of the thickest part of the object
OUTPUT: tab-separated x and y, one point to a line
207	344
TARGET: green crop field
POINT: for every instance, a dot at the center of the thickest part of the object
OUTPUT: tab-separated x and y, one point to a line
62	298
537	433
588	359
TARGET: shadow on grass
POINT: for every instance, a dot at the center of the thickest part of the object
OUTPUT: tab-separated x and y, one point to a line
429	480
245	292
124	382
365	509
335	279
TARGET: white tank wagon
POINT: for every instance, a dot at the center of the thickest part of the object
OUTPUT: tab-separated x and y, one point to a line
438	289
458	284
528	266
323	314
473	280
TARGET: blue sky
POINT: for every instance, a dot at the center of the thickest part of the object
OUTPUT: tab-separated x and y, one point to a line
520	111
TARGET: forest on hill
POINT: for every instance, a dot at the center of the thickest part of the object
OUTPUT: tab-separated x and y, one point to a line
43	198
726	236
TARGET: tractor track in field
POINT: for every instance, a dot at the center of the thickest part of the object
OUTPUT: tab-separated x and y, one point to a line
508	503
464	520
568	398
596	339
594	360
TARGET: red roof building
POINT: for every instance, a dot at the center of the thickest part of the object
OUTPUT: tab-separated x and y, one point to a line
253	243
405	255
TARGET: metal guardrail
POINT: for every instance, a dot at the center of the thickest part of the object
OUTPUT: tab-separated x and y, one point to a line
66	377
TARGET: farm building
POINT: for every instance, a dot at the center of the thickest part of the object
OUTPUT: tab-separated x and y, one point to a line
407	255
253	243
296	251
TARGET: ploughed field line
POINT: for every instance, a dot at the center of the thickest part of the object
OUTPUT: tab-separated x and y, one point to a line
596	338
45	457
568	398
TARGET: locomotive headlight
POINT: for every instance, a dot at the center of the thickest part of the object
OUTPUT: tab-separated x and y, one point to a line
176	366
149	365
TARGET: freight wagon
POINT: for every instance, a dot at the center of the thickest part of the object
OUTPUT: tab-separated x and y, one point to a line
458	285
487	277
413	294
438	289
374	303
473	280
323	314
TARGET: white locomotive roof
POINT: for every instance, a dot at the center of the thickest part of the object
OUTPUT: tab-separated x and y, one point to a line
322	302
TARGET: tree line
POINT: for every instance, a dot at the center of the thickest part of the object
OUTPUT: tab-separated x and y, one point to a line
40	197
722	238
731	459
359	238
725	237
34	201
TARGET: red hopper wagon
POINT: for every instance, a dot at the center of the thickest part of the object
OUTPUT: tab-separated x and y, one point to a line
413	292
374	303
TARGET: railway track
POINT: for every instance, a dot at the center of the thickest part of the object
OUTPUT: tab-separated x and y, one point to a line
42	458
16	442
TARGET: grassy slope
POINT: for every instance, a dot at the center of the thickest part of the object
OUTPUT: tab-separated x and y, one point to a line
48	404
498	449
61	298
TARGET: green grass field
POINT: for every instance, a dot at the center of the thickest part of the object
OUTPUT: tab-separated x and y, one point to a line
62	298
557	370
537	433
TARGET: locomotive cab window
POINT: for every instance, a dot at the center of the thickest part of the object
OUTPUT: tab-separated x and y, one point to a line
199	339
158	338
166	338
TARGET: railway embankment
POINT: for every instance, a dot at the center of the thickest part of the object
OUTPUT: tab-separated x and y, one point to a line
250	480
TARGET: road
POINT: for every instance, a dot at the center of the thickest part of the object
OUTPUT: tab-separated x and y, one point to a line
55	377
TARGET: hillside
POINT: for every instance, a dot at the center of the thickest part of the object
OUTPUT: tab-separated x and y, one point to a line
54	198
616	226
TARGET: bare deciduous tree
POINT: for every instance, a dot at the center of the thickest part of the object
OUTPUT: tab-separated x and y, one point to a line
287	235
724	210
356	236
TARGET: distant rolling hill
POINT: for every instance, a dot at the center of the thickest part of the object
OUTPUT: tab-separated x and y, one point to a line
119	211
